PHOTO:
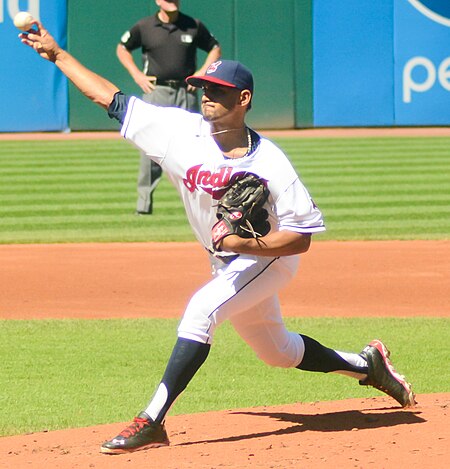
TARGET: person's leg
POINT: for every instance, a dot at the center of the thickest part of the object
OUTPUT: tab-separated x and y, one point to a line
186	359
150	173
148	179
187	100
319	358
147	430
210	306
263	329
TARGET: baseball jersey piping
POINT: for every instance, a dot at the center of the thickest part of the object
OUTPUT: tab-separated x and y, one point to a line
242	288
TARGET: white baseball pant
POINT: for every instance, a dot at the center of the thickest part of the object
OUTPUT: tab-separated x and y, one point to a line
246	293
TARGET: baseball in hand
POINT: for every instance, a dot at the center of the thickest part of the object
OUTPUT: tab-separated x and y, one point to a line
23	20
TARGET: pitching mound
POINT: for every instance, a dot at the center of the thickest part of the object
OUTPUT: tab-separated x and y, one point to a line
344	434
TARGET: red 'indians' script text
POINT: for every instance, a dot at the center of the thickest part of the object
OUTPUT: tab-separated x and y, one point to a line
206	180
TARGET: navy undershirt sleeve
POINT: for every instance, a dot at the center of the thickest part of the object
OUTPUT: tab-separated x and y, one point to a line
118	107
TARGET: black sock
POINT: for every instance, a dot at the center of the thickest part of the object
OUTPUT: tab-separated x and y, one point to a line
187	357
323	359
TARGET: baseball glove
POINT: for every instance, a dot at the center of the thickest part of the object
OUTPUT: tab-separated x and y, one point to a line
240	210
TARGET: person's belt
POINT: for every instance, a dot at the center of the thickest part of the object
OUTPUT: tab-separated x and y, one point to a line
175	84
225	259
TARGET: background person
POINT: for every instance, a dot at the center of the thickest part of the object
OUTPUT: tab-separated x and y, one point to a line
169	41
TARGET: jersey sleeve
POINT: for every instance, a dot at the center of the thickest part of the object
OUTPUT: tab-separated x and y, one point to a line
131	39
205	40
149	127
118	107
154	129
297	211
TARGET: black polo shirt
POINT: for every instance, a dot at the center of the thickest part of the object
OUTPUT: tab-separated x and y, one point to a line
169	49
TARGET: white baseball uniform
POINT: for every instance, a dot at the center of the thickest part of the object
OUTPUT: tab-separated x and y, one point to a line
245	289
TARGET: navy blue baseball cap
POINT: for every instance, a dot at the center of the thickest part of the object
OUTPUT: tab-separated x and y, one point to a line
226	73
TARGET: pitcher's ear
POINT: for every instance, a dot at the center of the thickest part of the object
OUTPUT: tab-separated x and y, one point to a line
246	97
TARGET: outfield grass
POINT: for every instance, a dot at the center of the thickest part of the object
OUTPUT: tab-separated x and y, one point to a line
63	374
85	191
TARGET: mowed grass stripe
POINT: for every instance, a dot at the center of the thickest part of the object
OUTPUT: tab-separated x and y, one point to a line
68	211
305	159
59	186
42	147
353	150
126	192
406	173
171	231
399	233
343	176
88	216
382	177
385	200
384	156
394	164
320	143
386	214
320	155
123	194
69	178
70	203
357	208
405	190
331	167
63	170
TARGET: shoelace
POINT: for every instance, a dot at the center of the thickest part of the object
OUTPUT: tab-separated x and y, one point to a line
137	425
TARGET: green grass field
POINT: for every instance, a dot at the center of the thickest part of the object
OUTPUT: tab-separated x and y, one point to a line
85	191
61	374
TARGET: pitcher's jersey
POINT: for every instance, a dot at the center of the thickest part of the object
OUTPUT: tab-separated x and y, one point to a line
181	143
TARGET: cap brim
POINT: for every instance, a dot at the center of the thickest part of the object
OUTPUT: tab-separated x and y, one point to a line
199	81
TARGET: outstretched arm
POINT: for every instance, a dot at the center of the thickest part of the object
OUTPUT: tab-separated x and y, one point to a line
93	86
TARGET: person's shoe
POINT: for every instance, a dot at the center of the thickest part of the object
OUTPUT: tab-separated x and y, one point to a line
142	433
382	375
138	212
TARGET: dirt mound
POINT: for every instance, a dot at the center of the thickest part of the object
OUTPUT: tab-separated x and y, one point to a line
355	433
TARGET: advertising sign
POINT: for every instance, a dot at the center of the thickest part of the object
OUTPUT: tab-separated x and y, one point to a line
353	63
33	92
422	65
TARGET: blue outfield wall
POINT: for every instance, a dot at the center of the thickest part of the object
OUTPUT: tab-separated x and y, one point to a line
318	63
33	92
422	62
353	63
384	63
